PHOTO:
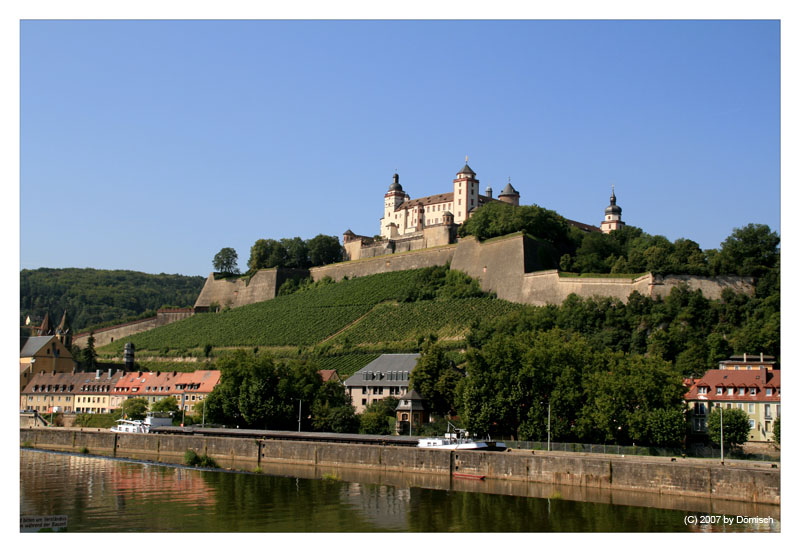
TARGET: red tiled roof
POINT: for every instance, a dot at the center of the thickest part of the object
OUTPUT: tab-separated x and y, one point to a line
327	375
761	380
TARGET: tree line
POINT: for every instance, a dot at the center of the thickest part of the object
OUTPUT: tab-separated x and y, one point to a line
94	298
294	253
751	250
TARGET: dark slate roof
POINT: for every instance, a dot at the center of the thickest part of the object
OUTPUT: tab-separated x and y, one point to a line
32	345
381	366
508	190
466	170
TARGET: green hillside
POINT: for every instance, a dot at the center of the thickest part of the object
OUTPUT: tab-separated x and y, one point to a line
344	325
304	318
94	297
405	322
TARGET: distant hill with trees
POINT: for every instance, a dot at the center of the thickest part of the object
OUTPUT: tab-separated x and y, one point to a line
95	297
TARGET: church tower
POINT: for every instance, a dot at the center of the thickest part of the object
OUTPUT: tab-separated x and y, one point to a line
391	201
465	193
613	219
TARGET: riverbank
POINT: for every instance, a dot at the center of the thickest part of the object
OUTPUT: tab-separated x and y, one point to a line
734	481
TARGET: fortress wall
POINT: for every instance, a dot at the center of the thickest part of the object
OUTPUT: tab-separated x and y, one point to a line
107	335
711	287
235	292
547	287
499	264
503	265
439	256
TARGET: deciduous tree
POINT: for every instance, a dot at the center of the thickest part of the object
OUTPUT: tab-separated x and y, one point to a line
735	426
226	261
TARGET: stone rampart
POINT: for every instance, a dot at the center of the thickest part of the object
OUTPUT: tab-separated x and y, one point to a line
437	256
238	291
511	266
739	481
104	336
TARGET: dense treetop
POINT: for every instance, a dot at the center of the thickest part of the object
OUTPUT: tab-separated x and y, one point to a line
91	296
749	251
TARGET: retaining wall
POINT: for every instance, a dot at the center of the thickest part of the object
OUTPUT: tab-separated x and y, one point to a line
437	256
107	335
704	479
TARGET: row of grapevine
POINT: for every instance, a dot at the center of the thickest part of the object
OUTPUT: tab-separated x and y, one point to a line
407	321
303	318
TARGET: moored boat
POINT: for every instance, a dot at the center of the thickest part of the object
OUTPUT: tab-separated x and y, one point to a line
458	439
140	426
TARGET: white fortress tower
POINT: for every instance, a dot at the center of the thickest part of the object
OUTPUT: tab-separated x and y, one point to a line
465	193
391	201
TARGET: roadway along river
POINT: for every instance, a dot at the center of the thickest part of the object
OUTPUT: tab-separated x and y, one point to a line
102	494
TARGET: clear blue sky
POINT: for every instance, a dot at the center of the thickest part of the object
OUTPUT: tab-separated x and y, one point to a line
150	145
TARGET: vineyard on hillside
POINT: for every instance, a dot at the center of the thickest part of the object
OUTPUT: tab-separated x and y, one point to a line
304	318
408	321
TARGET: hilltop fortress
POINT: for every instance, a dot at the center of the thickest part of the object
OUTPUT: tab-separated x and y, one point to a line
408	224
417	233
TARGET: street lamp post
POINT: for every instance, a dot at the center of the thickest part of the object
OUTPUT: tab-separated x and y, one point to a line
548	426
299	413
721	442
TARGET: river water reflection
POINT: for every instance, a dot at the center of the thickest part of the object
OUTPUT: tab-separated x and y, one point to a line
101	494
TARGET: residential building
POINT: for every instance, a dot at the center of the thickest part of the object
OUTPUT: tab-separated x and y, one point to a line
50	392
748	362
42	353
411	407
194	387
386	376
756	392
93	391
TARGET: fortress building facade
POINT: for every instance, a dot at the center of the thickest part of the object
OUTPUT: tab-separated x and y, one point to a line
403	216
433	220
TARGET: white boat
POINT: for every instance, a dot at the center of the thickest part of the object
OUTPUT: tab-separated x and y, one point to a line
140	426
458	439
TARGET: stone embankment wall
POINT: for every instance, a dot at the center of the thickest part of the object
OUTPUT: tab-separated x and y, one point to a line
509	266
110	334
709	479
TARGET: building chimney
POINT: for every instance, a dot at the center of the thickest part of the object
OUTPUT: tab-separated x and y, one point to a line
74	368
762	357
97	374
745	358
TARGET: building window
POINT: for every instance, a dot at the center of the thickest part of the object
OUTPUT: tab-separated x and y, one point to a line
700	424
769	392
752	424
719	390
767	411
730	390
363	401
700	409
751	408
753	391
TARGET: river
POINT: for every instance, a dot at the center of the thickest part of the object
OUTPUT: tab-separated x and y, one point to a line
108	495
